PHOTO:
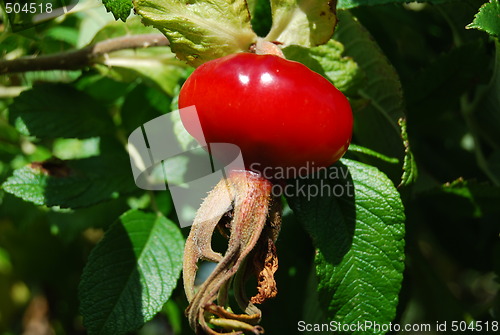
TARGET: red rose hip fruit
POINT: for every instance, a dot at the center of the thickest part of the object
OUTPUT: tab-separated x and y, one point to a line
280	113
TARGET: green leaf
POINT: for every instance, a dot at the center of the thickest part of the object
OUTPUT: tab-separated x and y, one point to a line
306	23
152	103
5	263
9	141
447	76
57	110
383	87
357	224
72	183
488	18
68	225
175	315
376	121
131	273
107	91
63	34
410	170
53	76
200	31
329	61
466	198
120	8
365	151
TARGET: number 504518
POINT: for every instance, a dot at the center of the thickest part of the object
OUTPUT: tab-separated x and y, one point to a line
31	8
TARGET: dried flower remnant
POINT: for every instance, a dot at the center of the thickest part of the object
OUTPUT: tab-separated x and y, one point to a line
245	199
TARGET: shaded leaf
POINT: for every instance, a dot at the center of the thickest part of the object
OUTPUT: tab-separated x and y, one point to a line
57	110
448	76
103	89
376	121
72	183
313	312
487	114
329	61
382	87
68	225
64	34
131	273
466	198
359	233
9	138
141	105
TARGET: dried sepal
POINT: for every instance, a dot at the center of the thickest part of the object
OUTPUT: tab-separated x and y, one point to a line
244	198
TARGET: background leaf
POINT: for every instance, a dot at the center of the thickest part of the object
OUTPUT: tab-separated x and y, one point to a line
410	170
306	23
72	183
57	110
193	28
447	76
131	273
469	198
329	61
360	241
377	118
488	18
487	119
143	104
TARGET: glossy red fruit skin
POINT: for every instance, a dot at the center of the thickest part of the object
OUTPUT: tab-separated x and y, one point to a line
279	112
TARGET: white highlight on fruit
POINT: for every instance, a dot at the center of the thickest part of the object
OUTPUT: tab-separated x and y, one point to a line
266	78
244	79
